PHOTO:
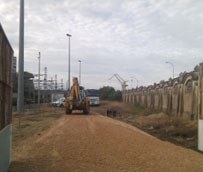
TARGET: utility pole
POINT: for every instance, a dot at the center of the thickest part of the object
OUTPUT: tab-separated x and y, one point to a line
55	82
45	78
39	79
79	71
69	36
135	79
51	83
131	82
61	84
137	82
20	101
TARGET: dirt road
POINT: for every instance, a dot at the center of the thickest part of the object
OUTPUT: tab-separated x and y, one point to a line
80	143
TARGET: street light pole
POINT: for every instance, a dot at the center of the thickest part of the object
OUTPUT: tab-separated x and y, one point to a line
136	80
172	66
69	36
131	82
20	102
39	79
79	71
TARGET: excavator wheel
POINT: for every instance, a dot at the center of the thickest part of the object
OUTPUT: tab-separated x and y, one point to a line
86	110
86	107
68	111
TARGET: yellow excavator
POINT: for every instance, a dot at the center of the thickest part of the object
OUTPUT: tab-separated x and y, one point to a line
77	99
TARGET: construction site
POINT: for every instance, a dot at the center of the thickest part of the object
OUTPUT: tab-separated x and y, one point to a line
65	113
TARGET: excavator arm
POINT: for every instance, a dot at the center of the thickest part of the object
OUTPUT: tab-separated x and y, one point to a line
75	91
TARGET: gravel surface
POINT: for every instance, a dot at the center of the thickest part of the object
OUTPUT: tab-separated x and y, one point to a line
87	143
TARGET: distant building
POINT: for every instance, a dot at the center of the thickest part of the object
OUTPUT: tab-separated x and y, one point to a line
14	64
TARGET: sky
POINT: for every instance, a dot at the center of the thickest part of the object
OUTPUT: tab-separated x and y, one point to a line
133	38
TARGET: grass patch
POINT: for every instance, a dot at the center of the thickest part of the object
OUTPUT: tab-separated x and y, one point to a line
33	122
140	110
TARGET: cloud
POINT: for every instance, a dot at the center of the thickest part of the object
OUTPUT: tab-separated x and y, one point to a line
129	37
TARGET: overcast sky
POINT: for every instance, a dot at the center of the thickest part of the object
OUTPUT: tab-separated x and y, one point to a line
133	38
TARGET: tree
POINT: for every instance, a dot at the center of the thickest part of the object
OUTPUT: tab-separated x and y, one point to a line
28	86
109	93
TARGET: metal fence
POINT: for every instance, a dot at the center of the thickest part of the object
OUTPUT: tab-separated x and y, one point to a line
6	54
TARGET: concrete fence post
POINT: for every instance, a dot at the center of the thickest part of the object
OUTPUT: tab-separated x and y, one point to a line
200	108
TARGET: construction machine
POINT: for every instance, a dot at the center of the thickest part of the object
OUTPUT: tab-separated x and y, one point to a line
77	99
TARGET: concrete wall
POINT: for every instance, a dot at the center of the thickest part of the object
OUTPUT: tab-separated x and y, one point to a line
200	108
5	148
177	97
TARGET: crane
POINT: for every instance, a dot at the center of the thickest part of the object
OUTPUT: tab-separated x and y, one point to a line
121	81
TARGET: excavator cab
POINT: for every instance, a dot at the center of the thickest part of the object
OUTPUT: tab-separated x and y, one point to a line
77	99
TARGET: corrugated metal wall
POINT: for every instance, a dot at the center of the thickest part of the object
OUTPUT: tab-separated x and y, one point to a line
6	54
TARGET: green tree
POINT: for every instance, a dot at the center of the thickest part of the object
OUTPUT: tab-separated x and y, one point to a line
109	93
28	86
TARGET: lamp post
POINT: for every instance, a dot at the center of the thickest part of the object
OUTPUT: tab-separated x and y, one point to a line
79	71
172	66
137	81
69	36
20	101
132	81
